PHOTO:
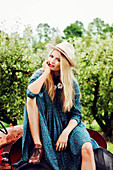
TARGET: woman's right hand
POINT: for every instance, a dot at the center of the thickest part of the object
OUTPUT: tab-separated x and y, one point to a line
45	65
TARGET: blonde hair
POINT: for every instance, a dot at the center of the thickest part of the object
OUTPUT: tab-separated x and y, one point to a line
67	81
66	77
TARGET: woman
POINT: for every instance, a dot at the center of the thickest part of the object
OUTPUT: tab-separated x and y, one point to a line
55	130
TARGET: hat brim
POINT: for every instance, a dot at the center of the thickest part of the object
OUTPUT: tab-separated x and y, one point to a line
50	46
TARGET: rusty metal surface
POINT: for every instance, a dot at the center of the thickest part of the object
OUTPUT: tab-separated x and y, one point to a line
14	132
6	141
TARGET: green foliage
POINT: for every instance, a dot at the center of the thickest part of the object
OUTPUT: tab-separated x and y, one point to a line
98	27
94	72
92	125
110	147
74	30
17	63
44	34
95	28
5	124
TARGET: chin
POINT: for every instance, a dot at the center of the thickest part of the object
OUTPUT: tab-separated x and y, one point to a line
56	70
53	69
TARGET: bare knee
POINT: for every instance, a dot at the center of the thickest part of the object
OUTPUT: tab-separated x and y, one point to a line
87	151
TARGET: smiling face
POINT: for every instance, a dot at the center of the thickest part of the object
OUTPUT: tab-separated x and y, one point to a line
54	60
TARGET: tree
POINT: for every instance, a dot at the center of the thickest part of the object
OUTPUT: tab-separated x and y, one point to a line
108	29
74	30
94	72
98	27
15	69
44	34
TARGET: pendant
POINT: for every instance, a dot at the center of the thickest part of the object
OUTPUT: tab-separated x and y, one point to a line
59	86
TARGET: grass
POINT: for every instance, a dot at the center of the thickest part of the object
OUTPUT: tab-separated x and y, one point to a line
5	124
19	122
93	126
110	147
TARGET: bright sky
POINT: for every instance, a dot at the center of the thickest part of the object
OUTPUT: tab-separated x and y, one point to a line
57	13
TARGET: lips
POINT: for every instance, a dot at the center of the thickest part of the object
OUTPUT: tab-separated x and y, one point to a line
50	65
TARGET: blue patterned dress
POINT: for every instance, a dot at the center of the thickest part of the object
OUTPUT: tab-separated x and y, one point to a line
53	121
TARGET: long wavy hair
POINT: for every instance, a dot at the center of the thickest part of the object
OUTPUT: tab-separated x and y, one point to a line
66	78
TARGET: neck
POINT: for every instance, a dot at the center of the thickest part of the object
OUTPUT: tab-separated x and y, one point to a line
56	73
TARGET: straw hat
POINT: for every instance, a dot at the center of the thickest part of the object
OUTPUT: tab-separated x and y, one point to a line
65	48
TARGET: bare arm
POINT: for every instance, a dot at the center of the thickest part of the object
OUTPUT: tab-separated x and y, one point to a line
71	125
63	138
35	87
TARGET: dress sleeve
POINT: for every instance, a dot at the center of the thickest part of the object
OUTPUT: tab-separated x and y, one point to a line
34	77
75	112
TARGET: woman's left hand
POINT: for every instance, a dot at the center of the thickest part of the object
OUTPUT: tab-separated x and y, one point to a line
62	141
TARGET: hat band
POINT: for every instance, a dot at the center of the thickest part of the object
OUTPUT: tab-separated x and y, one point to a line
62	51
65	54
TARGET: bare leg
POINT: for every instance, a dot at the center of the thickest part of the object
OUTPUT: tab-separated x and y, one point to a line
34	122
88	162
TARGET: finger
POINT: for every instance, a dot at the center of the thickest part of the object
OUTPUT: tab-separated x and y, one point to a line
47	62
60	146
43	64
65	145
56	147
57	144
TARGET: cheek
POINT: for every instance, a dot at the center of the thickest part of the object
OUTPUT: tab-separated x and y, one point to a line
58	64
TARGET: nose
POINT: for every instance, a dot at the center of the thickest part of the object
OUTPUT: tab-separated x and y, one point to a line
52	61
